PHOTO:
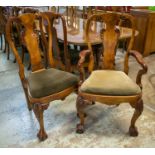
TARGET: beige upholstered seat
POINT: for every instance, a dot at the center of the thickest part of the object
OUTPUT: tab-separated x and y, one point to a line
110	82
50	81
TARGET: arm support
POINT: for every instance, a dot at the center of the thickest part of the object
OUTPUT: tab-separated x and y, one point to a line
140	60
81	61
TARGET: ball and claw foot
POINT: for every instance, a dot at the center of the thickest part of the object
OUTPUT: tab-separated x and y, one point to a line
133	131
79	129
42	135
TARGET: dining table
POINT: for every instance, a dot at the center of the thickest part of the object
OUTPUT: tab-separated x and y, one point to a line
76	31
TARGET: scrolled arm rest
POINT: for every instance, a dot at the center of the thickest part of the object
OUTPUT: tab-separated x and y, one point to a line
140	60
81	61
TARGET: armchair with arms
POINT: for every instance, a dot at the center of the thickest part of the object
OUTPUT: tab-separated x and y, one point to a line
107	85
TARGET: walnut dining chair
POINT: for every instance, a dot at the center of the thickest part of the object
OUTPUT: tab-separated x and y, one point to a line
42	85
108	85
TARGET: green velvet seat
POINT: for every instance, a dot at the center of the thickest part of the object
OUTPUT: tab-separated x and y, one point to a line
50	81
109	82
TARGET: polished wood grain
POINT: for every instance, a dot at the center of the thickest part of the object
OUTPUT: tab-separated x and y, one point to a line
110	35
38	105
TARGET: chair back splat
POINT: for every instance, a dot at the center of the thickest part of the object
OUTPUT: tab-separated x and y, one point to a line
31	40
110	32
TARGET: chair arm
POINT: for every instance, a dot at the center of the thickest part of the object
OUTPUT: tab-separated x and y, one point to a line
140	60
81	61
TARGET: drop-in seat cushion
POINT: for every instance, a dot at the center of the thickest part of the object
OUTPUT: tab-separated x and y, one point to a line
50	81
109	82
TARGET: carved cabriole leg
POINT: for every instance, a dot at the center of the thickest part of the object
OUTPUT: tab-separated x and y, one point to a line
38	109
80	105
138	110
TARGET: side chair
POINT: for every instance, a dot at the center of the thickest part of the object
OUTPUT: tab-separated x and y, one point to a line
42	85
107	85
